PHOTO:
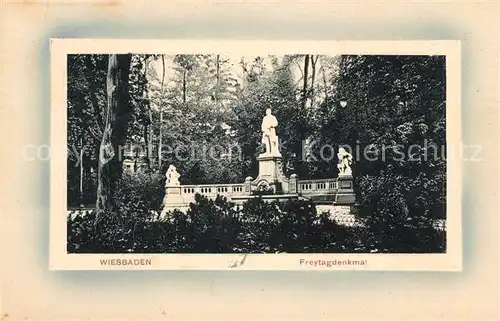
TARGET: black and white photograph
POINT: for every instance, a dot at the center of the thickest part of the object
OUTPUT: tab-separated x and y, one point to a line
247	153
326	160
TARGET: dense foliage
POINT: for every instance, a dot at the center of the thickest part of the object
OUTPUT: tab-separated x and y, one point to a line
395	115
217	226
202	113
205	110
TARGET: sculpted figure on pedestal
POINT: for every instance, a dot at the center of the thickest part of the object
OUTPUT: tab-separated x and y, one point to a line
345	161
172	176
269	137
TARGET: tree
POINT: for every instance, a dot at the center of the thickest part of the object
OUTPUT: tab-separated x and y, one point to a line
394	112
118	113
305	93
194	100
141	126
86	99
272	88
160	142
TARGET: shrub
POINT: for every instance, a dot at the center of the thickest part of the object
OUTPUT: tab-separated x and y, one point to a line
109	236
218	226
260	222
335	238
139	193
214	224
400	212
296	229
80	232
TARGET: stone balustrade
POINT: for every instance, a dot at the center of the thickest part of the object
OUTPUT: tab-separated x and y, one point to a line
316	186
321	191
303	187
212	190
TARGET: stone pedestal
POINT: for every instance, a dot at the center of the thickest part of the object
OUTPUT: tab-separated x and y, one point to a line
345	193
271	173
292	184
173	198
248	185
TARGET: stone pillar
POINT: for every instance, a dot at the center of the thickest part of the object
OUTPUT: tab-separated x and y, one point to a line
248	185
345	193
270	172
292	184
173	199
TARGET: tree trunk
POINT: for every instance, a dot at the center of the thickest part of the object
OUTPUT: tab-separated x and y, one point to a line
118	113
313	77
326	88
217	83
160	142
151	136
184	87
149	124
93	92
304	88
81	171
147	141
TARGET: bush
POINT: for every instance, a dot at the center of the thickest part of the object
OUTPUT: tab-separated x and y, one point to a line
140	192
137	200
218	226
211	226
80	232
400	211
214	225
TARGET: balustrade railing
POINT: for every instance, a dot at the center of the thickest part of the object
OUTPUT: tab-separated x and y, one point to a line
318	190
212	189
314	186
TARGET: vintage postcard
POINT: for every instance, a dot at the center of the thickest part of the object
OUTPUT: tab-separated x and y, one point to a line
255	155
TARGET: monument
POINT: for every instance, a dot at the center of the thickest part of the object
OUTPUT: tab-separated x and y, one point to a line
271	175
271	179
345	161
172	177
345	193
173	196
269	136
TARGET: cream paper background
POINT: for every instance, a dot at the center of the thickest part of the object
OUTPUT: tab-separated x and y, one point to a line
30	291
60	48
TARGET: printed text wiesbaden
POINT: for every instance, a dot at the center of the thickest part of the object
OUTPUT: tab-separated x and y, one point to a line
127	262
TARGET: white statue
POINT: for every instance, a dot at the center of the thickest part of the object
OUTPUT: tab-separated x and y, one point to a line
345	161
269	137
172	176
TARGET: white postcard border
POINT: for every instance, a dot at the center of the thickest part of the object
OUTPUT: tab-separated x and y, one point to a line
61	260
